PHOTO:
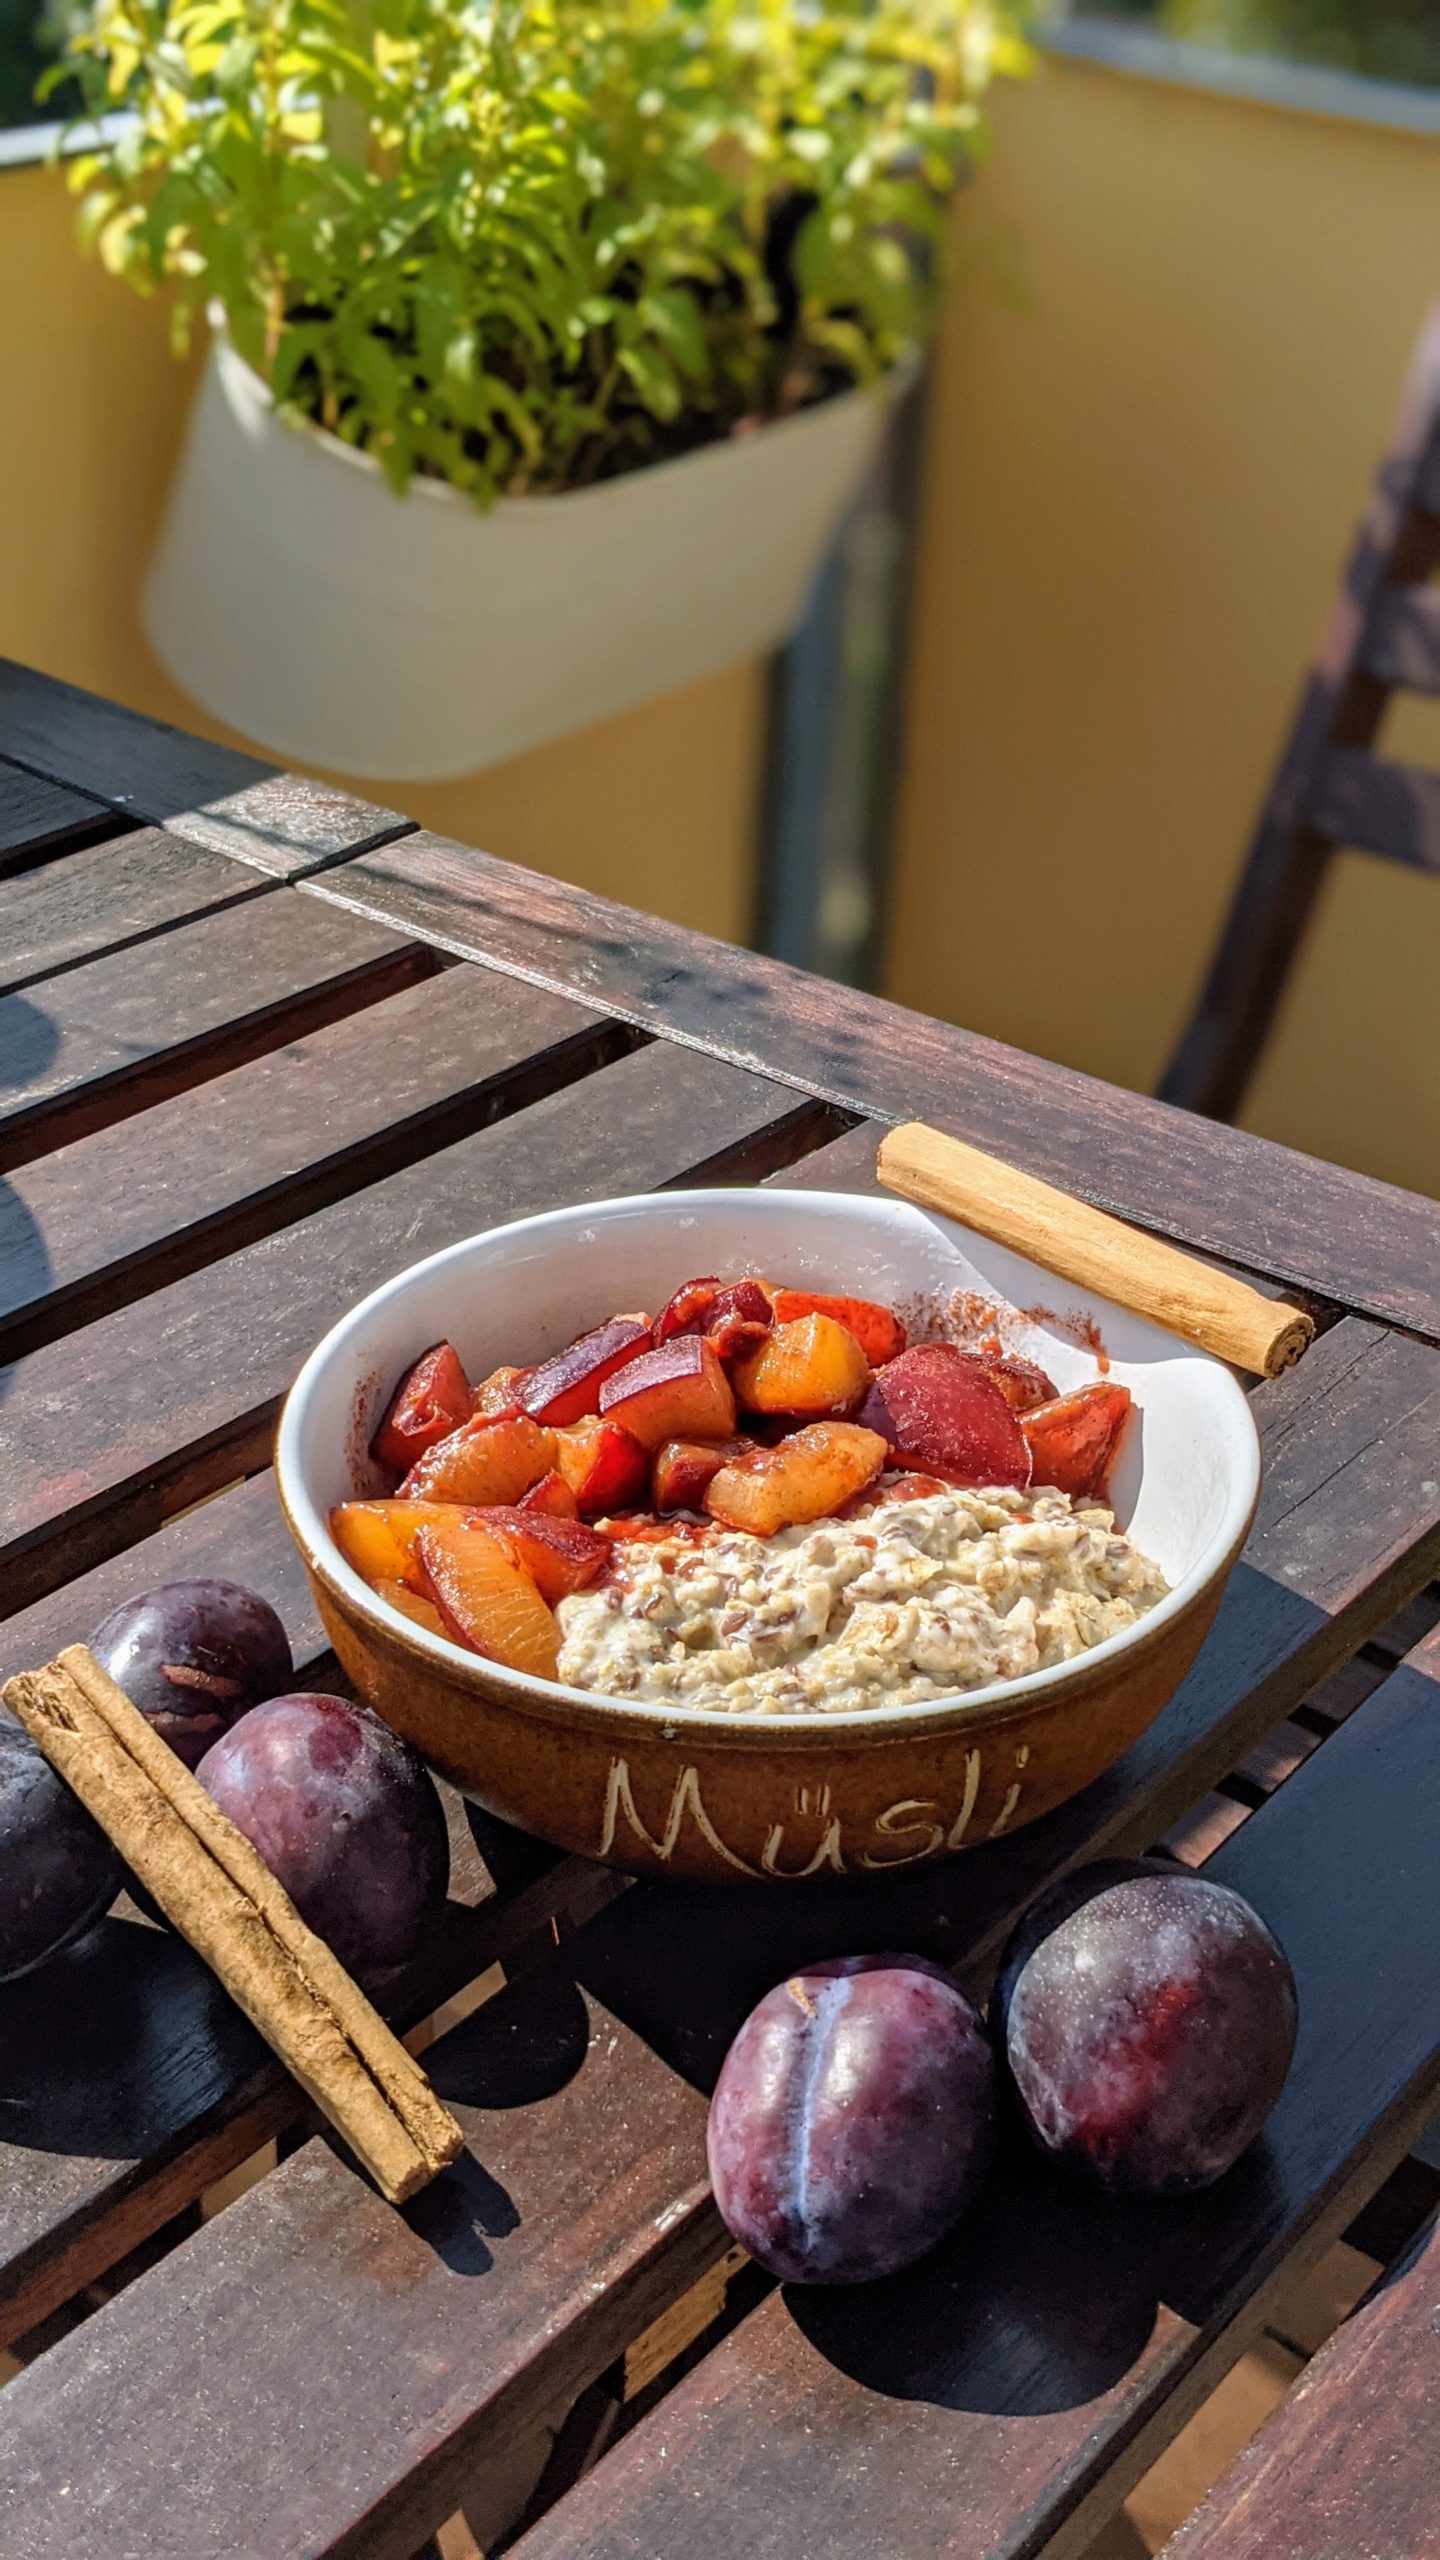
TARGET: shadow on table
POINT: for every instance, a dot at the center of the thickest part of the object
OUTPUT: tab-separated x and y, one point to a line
114	2046
28	1044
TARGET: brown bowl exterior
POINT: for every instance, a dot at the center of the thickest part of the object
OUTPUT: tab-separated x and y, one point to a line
659	1796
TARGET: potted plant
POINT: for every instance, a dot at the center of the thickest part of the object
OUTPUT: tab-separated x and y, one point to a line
549	337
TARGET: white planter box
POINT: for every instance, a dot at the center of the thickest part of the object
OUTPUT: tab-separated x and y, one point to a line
412	639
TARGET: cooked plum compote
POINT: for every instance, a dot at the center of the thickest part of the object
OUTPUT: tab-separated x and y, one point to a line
772	1501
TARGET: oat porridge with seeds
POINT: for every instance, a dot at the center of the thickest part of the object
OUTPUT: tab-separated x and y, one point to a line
908	1600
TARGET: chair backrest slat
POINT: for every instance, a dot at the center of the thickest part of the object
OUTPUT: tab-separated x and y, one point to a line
1329	790
1389	809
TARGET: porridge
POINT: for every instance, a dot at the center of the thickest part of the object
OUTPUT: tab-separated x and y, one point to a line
909	1600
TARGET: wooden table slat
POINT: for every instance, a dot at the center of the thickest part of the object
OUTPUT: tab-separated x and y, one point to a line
215	795
37	816
1347	2463
1013	2387
122	1422
102	1040
131	1207
1314	1226
104	896
588	2211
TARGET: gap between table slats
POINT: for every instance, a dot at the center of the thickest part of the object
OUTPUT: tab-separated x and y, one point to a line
121	1423
105	1039
95	1224
106	897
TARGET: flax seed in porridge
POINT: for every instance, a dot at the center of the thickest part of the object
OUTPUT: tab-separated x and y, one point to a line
908	1600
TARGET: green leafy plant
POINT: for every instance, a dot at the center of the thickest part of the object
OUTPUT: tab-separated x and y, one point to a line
527	244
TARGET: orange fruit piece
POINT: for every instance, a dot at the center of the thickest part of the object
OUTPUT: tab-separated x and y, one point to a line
808	1476
560	1556
812	1366
486	1460
880	1334
423	1613
487	1600
378	1538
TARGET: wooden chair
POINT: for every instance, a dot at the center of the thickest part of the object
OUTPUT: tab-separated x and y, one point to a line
1331	789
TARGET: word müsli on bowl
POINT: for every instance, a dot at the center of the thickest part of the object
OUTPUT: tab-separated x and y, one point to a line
686	1792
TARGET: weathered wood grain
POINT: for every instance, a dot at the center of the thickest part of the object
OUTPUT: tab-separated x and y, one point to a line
1013	2387
1346	2464
36	816
115	1426
585	2208
1306	1224
105	895
104	1040
91	1225
214	795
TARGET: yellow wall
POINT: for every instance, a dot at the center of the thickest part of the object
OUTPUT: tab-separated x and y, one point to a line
1174	340
656	807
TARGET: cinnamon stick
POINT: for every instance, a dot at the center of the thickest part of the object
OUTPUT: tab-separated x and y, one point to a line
1079	1243
218	1893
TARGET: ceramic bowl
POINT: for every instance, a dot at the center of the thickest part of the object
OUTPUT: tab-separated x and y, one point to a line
688	1793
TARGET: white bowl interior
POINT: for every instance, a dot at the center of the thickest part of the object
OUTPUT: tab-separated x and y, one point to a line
1188	1474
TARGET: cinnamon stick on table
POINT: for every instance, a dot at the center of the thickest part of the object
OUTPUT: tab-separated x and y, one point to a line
1214	1308
214	1888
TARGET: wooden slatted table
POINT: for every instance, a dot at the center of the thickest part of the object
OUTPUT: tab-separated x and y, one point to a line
260	1045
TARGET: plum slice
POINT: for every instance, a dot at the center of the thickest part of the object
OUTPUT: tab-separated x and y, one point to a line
484	1461
551	1494
683	1469
812	1367
568	1387
1021	1382
603	1464
378	1538
808	1476
880	1334
560	1556
679	1392
500	1392
433	1397
487	1600
941	1411
1075	1440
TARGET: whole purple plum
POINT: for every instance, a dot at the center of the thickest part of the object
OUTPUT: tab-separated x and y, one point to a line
853	2119
58	1872
1146	2018
192	1656
345	1816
